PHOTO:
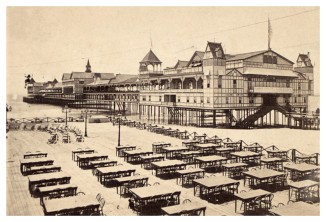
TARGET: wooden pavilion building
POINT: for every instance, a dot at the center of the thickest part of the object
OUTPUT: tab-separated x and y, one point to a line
211	89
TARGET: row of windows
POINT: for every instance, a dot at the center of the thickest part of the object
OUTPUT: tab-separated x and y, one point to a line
111	97
270	59
228	100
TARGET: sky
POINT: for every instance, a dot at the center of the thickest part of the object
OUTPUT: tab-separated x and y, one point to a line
50	41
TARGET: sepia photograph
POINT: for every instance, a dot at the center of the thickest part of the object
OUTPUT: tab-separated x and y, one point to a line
162	111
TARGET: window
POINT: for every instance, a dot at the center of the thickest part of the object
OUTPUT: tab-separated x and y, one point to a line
178	98
251	100
81	82
219	82
295	99
187	99
299	85
195	100
227	100
270	59
274	60
149	98
234	84
208	100
208	83
160	98
240	100
201	99
309	85
249	83
287	83
144	98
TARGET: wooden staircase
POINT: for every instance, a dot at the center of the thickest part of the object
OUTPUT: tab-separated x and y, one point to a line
249	121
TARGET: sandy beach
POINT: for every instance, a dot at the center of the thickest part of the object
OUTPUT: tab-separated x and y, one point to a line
103	138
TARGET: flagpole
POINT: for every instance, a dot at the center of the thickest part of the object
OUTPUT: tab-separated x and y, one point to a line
269	33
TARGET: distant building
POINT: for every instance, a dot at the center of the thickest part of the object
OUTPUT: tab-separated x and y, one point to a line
209	89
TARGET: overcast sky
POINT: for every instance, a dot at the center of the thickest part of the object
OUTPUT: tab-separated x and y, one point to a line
49	41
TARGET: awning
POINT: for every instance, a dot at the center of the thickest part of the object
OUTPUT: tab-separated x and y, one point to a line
270	72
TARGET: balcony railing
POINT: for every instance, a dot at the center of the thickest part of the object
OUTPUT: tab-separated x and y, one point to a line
173	90
151	72
184	70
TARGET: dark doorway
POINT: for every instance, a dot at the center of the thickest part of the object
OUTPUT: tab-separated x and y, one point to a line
170	98
269	100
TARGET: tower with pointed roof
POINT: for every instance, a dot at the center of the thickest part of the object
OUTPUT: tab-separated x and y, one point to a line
214	68
305	66
214	59
88	67
150	65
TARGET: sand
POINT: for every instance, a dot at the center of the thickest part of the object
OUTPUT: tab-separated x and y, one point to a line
103	138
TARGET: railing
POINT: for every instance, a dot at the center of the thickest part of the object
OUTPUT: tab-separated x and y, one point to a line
151	72
169	103
174	90
184	70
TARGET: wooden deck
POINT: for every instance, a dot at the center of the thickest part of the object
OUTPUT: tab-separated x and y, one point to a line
104	140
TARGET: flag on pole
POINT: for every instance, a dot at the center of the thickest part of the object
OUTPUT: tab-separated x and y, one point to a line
269	33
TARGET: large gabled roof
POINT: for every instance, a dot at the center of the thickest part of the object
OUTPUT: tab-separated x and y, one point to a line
181	64
248	55
105	76
133	80
120	78
81	75
200	54
150	58
242	56
66	76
